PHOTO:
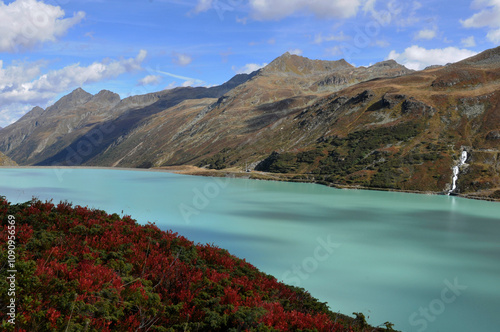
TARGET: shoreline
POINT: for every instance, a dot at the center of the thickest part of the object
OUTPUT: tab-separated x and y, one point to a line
253	175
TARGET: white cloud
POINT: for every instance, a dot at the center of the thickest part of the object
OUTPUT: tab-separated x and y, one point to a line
278	9
248	68
182	59
369	6
418	58
243	20
319	38
335	50
189	83
469	41
382	43
489	17
150	80
494	36
426	34
171	85
11	113
402	13
296	51
27	23
203	6
24	84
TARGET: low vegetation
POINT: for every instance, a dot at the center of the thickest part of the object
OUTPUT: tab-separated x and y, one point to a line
372	158
85	270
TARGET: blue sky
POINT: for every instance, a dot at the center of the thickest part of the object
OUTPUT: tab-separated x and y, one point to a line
48	48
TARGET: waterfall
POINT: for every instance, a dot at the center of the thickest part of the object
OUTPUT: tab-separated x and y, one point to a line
456	171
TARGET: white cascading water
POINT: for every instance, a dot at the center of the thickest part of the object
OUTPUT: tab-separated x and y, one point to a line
456	171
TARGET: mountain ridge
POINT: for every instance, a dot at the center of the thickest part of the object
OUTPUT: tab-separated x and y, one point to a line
36	136
382	126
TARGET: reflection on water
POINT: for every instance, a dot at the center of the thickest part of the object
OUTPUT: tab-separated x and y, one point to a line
389	255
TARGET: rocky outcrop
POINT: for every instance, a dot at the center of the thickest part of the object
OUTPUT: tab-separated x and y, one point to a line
363	97
493	135
389	100
348	76
334	80
416	107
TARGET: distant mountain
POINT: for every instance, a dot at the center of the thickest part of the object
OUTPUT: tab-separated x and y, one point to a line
184	135
44	137
297	65
382	126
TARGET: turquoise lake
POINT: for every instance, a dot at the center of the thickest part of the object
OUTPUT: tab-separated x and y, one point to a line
424	263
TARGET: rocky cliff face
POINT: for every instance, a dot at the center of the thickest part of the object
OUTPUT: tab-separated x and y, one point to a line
382	126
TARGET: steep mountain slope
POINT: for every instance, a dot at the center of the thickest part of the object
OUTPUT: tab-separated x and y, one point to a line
81	125
286	85
324	121
404	133
6	161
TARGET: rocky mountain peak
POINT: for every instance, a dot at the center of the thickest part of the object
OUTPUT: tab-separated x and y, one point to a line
106	98
34	113
292	64
388	64
390	68
75	98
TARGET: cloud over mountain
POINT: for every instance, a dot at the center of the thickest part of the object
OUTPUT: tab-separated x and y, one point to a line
417	58
248	68
26	84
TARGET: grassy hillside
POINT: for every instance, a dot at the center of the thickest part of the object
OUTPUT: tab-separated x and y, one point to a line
6	161
85	270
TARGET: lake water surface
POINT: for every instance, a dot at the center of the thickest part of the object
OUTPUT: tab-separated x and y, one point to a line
425	263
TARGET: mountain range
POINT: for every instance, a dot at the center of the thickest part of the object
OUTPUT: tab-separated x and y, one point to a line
382	126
